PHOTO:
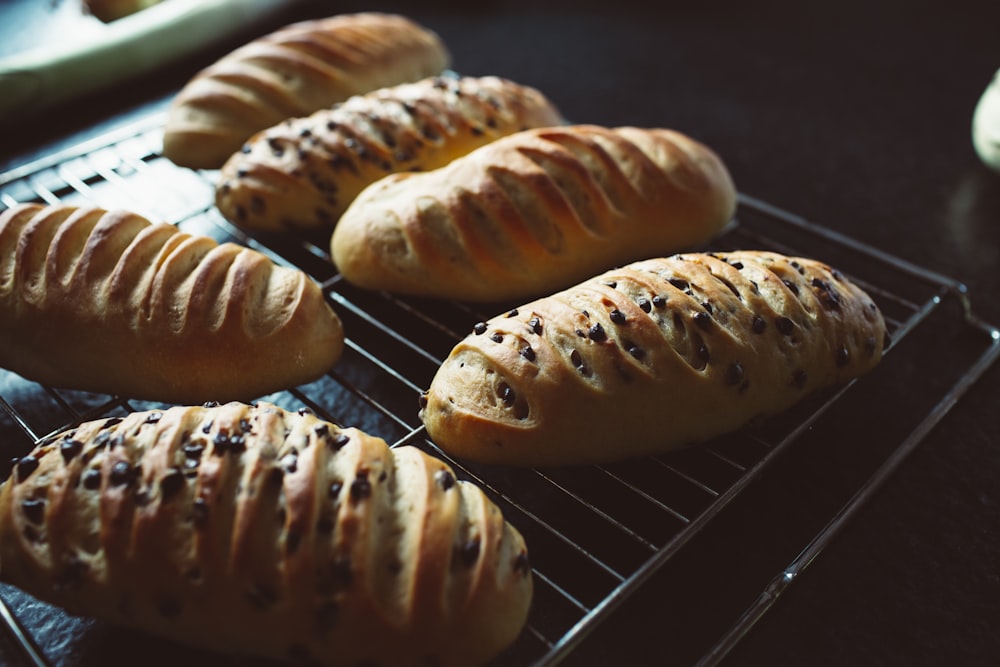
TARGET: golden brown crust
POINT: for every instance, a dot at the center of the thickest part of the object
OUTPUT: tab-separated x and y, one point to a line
652	356
302	173
534	212
254	530
293	72
112	10
107	301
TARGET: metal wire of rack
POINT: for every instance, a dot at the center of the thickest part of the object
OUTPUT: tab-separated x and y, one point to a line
596	533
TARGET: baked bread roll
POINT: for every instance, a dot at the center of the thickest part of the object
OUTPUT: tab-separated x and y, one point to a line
302	173
658	354
293	72
262	532
112	10
534	212
107	301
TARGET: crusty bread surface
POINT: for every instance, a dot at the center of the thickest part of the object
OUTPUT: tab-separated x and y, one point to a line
107	301
302	173
656	355
292	72
112	10
253	530
534	212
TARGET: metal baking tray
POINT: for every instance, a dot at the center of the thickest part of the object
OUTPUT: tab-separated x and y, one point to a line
596	533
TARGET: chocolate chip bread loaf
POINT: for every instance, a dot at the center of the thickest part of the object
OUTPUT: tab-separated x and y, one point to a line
107	301
253	530
293	72
302	173
658	354
534	212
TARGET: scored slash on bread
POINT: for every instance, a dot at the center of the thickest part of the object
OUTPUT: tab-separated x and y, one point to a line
655	355
534	212
110	302
263	532
291	72
302	173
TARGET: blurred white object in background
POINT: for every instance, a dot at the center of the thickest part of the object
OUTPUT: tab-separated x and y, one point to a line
53	73
986	125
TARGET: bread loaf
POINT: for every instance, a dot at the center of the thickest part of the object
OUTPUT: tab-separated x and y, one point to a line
658	354
302	173
293	72
257	531
107	301
534	212
112	10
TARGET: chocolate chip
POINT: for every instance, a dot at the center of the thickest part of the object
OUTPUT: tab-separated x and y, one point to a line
92	479
361	488
468	553
679	283
199	512
521	563
34	509
759	324
785	325
536	325
479	328
597	333
512	312
870	344
497	337
703	320
194	450
506	394
528	353
334	490
636	352
121	473
704	354
24	467
659	302
325	524
289	463
792	286
171	484
445	479
644	304
617	316
734	374
843	357
69	448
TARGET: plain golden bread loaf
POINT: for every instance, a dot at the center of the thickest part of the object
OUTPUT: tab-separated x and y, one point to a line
655	355
263	532
302	173
112	10
291	72
108	301
534	212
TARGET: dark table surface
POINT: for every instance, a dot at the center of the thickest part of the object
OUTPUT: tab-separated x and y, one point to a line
856	115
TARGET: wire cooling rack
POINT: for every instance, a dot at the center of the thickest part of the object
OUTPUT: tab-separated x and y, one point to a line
596	533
